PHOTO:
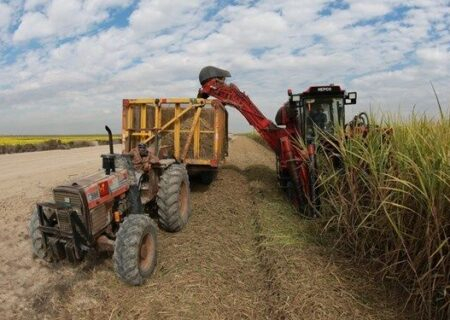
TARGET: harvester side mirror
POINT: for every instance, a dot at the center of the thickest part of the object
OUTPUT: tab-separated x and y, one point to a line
289	92
350	98
294	100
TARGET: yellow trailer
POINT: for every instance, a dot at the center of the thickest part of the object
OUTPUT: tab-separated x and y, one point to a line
190	130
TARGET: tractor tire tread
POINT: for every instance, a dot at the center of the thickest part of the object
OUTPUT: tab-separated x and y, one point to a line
37	241
170	218
126	248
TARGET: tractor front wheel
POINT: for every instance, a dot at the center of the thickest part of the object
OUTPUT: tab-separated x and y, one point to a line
173	198
37	240
135	249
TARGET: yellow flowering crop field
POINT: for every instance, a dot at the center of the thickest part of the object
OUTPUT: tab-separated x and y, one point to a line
28	139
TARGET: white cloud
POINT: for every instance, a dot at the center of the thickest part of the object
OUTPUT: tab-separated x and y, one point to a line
5	15
368	9
157	15
62	18
5	20
33	4
33	25
253	28
434	55
268	45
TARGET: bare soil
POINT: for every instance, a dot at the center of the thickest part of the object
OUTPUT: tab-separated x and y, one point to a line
243	255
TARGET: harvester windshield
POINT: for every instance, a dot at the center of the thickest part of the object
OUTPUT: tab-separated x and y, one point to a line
323	113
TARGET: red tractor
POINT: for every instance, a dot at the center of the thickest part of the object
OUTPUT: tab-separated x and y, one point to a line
295	136
106	212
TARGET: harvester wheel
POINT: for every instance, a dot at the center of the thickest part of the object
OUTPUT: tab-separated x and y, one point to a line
173	198
292	194
37	240
135	249
283	178
299	200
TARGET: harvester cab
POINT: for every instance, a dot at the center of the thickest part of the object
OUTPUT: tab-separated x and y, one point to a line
320	108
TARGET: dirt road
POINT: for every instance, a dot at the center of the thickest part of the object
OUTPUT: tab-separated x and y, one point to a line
243	255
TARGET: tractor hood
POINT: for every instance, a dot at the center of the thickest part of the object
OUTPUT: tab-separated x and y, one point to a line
99	187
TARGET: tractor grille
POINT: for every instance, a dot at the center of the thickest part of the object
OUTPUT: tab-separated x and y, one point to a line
64	221
100	218
73	202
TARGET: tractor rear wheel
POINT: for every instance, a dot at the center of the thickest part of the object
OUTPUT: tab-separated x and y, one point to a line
37	240
135	249
173	198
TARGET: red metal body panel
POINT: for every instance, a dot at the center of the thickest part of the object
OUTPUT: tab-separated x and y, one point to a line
117	184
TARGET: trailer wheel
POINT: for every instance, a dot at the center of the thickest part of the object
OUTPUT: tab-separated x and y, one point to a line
37	240
173	198
207	177
135	249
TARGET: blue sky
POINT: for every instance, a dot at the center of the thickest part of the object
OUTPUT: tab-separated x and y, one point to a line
65	65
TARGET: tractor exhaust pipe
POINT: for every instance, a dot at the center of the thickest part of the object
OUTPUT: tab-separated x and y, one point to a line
108	160
110	140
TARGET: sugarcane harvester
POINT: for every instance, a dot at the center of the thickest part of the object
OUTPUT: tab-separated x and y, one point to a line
295	136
